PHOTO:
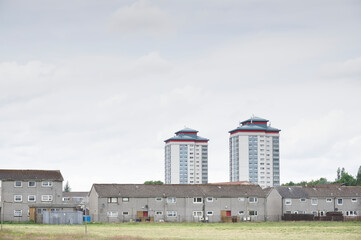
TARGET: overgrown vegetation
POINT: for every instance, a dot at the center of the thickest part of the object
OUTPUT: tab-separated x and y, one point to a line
342	178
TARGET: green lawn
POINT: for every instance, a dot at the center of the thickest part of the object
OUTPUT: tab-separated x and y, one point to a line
132	231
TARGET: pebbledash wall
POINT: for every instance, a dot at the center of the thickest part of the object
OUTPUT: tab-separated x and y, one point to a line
22	188
186	158
176	202
192	203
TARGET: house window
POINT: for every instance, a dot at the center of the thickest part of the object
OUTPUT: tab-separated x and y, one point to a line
209	213
171	213
288	201
158	199
241	199
39	210
66	199
339	201
252	199
197	213
253	213
18	198
125	213
125	199
46	198
351	213
112	214
314	201
241	212
353	199
18	184
197	200
171	200
47	184
302	199
112	200
18	213
32	184
209	199
158	213
328	200
31	198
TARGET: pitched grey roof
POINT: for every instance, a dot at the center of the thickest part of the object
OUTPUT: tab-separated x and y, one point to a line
292	192
333	191
329	190
178	190
26	175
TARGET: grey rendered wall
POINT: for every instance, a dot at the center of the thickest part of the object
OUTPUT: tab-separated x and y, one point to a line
183	206
324	206
9	205
93	205
273	206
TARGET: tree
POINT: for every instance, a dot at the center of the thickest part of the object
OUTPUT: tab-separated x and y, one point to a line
153	182
67	187
347	179
358	177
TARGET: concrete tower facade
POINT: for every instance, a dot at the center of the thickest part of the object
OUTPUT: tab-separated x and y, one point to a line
186	158
254	153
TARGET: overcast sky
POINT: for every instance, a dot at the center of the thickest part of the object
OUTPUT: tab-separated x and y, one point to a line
93	88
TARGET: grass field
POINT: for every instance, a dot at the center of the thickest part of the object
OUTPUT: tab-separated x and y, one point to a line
142	231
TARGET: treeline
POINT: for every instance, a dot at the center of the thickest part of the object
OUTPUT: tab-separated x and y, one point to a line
342	178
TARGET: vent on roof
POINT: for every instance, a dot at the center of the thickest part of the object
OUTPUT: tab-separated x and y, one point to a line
219	187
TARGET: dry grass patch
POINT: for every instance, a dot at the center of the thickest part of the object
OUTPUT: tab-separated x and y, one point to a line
146	231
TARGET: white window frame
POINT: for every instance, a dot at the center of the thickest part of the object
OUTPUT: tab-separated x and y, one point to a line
158	213
112	200
158	199
288	201
328	200
18	196
338	199
255	199
112	214
353	200
125	199
46	198
171	199
209	199
125	213
21	184
31	196
254	211
171	213
31	182
196	200
197	213
241	212
302	199
241	199
66	199
209	213
18	213
351	213
314	201
46	184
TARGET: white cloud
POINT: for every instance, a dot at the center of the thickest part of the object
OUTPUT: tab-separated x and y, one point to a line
141	18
